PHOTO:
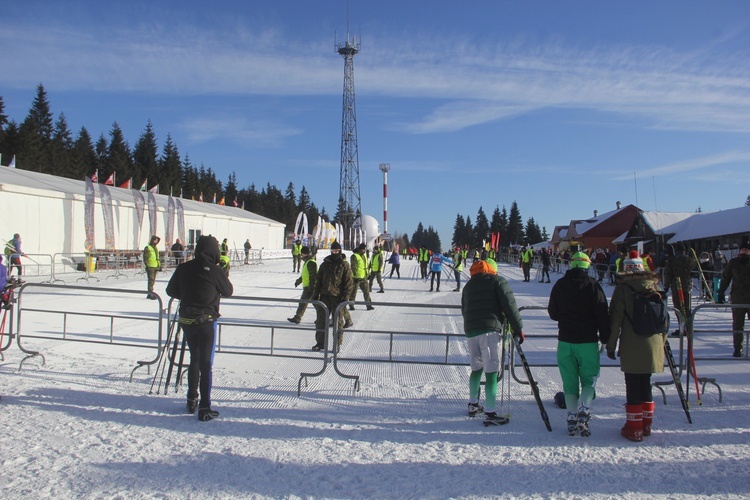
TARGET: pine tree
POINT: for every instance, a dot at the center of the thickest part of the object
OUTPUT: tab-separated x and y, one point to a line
230	190
61	149
481	229
170	169
83	157
100	149
36	134
191	188
533	234
459	228
118	160
144	158
747	201
515	226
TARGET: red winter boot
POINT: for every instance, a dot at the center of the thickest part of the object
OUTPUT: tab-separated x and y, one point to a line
648	416
633	429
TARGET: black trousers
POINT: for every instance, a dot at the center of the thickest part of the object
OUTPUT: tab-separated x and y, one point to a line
201	342
638	388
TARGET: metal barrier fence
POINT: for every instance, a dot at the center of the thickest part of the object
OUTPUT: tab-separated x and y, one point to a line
95	337
440	353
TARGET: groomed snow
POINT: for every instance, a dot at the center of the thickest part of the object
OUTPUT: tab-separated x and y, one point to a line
76	427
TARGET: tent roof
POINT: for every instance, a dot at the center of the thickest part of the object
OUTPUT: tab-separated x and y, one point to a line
53	183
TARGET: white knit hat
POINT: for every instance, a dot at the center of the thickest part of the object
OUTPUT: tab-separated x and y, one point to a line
633	262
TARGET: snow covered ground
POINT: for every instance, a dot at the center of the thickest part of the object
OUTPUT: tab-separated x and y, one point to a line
76	427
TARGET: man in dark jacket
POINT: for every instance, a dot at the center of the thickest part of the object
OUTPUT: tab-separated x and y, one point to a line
199	284
333	285
737	272
487	303
677	276
578	304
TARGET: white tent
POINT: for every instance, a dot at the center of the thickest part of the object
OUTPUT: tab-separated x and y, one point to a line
48	212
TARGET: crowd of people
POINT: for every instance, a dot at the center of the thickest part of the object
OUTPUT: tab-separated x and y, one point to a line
577	302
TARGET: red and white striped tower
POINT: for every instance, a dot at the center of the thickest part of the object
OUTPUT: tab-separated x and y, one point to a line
385	167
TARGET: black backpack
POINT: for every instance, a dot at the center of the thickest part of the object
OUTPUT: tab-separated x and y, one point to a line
650	312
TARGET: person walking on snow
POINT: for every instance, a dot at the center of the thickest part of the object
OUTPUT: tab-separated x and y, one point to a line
296	257
640	356
527	259
360	268
578	304
395	261
376	267
307	280
199	285
487	303
737	272
423	258
152	263
458	267
436	266
333	285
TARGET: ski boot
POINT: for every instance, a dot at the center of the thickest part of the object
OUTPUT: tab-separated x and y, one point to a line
572	424
583	417
475	408
492	418
206	414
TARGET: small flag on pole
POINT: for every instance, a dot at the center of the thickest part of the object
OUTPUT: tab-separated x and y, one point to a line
95	177
127	184
154	189
214	202
110	180
144	186
221	201
200	197
12	163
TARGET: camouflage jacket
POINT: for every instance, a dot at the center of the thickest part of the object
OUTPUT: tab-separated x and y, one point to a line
678	266
334	278
737	272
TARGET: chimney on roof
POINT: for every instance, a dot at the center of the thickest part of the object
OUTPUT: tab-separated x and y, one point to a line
618	205
596	213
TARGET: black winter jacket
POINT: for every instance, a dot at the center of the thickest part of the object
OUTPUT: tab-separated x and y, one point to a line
578	304
199	283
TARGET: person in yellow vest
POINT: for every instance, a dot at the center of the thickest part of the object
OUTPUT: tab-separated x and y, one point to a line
296	257
458	266
527	259
152	264
376	267
224	263
492	254
423	258
307	280
360	267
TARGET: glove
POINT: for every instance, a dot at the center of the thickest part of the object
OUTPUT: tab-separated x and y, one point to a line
611	355
297	282
722	299
520	337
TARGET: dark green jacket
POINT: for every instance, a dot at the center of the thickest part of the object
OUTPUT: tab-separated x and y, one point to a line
486	303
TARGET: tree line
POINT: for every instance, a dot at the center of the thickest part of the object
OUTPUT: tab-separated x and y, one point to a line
44	144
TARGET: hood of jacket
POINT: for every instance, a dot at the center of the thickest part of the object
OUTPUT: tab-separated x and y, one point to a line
207	250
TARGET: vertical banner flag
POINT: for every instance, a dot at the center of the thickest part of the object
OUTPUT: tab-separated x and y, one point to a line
152	223
180	221
109	223
88	214
140	204
169	236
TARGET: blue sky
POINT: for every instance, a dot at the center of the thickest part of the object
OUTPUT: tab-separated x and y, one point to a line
563	106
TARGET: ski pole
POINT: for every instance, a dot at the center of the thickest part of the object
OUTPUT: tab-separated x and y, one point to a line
178	378
159	373
532	383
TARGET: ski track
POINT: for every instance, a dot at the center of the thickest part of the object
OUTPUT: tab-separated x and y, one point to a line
76	428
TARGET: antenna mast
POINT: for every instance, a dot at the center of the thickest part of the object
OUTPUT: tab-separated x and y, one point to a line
350	201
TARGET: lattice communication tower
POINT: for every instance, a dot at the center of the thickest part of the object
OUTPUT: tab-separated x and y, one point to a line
350	201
